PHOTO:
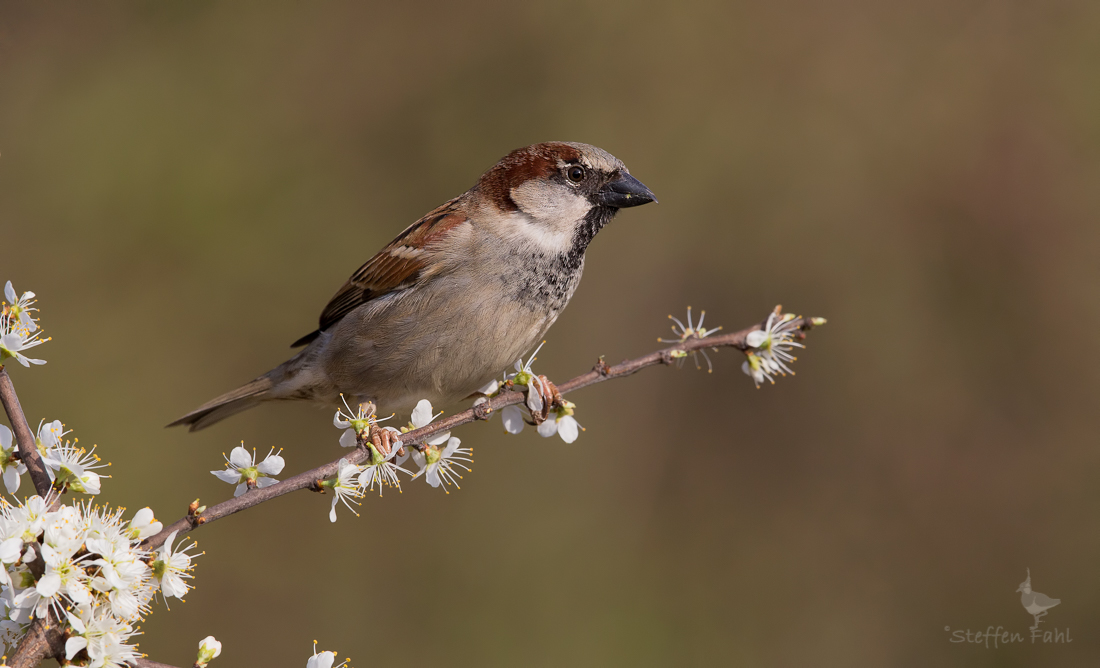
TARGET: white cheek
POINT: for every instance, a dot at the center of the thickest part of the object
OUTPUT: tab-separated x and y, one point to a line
548	215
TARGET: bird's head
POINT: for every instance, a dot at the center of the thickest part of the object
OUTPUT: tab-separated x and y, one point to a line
561	193
1025	586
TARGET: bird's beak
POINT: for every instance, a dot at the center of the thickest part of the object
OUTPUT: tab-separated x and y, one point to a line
624	191
1020	588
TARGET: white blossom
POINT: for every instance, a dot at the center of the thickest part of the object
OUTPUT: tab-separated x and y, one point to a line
512	417
50	435
20	309
172	568
382	469
241	469
345	487
771	349
355	423
66	462
422	416
692	330
324	659
440	467
144	525
13	344
18	329
25	520
101	635
528	378
209	649
562	423
10	463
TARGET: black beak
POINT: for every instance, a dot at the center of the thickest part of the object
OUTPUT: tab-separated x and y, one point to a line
624	191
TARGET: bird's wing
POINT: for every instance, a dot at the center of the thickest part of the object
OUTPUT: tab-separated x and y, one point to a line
396	266
1046	601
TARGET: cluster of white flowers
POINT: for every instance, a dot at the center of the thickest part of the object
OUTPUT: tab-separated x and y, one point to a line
560	421
80	564
19	330
438	465
85	564
771	348
69	466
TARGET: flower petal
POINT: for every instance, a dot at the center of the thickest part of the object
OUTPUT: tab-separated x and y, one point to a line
272	465
568	429
512	417
240	458
11	479
422	414
756	337
548	428
226	475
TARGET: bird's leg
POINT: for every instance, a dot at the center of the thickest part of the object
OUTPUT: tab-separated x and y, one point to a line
551	395
551	398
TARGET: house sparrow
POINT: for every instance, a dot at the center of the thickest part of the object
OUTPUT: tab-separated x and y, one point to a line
459	295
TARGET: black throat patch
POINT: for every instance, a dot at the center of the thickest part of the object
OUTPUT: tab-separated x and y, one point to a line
548	281
594	221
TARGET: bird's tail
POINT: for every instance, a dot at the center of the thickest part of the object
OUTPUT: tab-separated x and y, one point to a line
230	403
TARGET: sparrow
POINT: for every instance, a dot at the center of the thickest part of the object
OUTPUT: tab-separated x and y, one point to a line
459	295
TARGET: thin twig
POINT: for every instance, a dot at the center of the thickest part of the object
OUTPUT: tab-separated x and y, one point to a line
23	435
146	663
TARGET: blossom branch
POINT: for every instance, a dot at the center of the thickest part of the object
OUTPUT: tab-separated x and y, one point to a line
42	638
23	435
48	639
601	372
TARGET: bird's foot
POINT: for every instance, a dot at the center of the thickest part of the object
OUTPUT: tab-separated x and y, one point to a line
551	398
383	439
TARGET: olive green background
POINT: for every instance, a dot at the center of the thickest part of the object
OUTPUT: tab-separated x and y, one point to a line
185	184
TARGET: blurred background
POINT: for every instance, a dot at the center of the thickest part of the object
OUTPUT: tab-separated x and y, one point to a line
186	184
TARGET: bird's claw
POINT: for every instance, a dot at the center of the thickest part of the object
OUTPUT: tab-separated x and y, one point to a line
551	398
382	439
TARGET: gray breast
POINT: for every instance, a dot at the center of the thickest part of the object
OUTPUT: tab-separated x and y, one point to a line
544	283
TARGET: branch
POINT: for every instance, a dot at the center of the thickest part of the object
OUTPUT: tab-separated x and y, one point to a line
146	663
43	638
24	436
359	454
40	643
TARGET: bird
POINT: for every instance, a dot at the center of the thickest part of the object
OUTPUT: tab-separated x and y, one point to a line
459	295
1035	603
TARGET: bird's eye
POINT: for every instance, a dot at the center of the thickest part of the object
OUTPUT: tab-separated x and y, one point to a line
575	174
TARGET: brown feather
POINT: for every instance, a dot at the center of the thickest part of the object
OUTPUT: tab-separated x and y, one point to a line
394	267
537	161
